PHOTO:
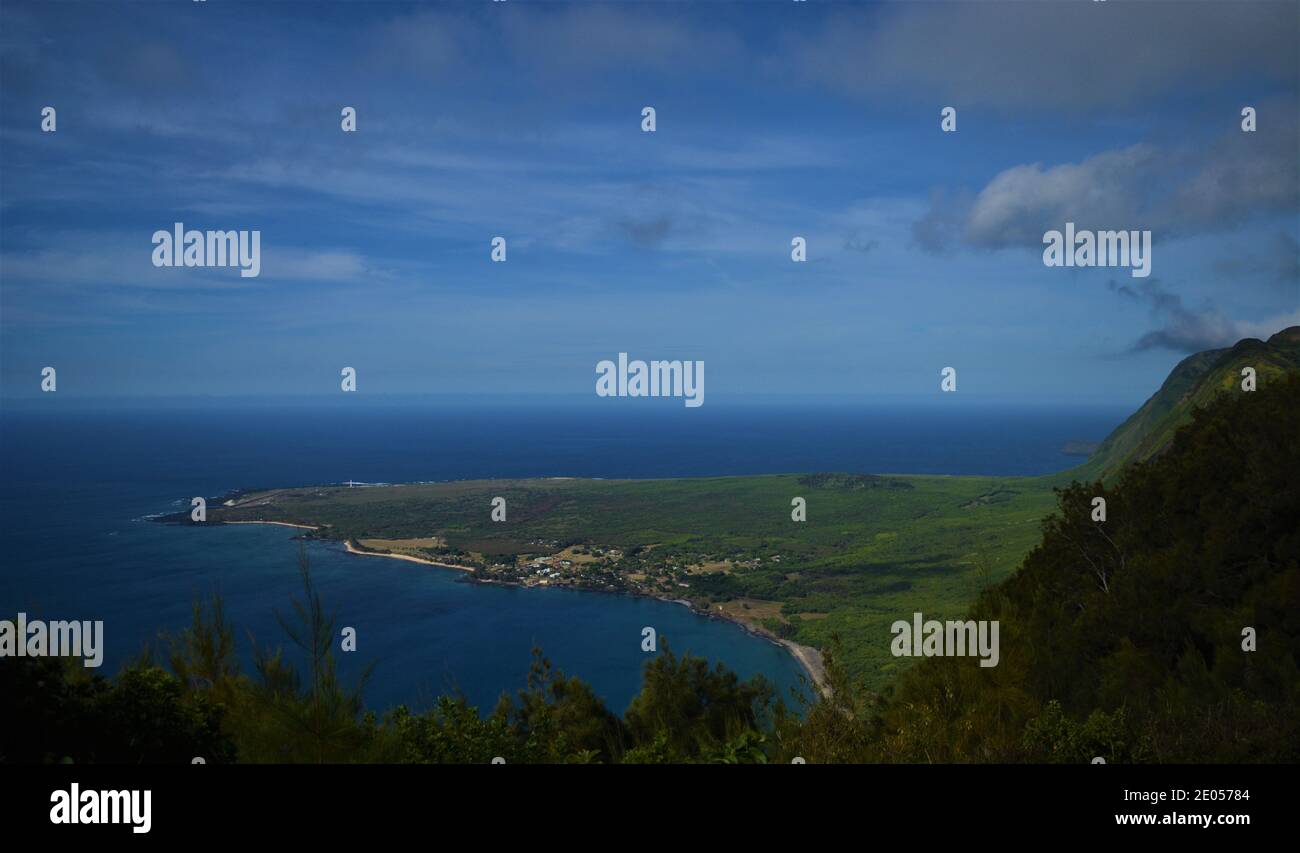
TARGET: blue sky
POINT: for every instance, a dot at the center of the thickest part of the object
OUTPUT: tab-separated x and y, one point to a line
522	119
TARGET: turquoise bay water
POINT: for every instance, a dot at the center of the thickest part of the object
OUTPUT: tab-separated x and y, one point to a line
79	483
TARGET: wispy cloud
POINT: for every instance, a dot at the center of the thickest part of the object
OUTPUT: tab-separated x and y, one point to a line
1172	191
1181	329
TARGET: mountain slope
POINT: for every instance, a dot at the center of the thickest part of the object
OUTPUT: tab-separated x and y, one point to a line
1193	384
1169	632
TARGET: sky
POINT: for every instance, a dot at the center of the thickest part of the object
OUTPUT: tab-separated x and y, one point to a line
524	120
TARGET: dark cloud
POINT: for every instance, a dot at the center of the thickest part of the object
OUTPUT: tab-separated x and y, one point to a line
647	233
1177	327
856	242
1059	55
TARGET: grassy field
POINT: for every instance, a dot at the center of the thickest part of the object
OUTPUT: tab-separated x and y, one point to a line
873	549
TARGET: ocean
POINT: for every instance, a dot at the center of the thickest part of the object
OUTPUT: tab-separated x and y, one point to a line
80	481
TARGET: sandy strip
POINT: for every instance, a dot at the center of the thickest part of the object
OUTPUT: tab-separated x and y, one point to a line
353	550
808	658
811	661
280	523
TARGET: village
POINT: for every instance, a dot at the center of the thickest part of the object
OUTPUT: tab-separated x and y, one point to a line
650	570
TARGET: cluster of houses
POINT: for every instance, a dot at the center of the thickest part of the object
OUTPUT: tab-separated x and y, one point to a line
558	568
547	569
756	562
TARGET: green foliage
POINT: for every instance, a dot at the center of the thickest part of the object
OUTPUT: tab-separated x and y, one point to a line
56	713
1126	636
1194	383
561	720
693	712
452	732
319	721
1054	738
150	719
837	727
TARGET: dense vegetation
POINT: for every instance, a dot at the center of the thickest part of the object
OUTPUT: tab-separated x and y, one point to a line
1192	384
1124	639
1120	638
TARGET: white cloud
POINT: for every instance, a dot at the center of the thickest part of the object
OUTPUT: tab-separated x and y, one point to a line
1172	191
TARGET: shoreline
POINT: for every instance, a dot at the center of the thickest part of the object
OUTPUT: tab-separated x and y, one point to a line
277	523
811	660
808	658
348	546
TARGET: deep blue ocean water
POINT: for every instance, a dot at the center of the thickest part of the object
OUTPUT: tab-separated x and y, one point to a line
79	481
